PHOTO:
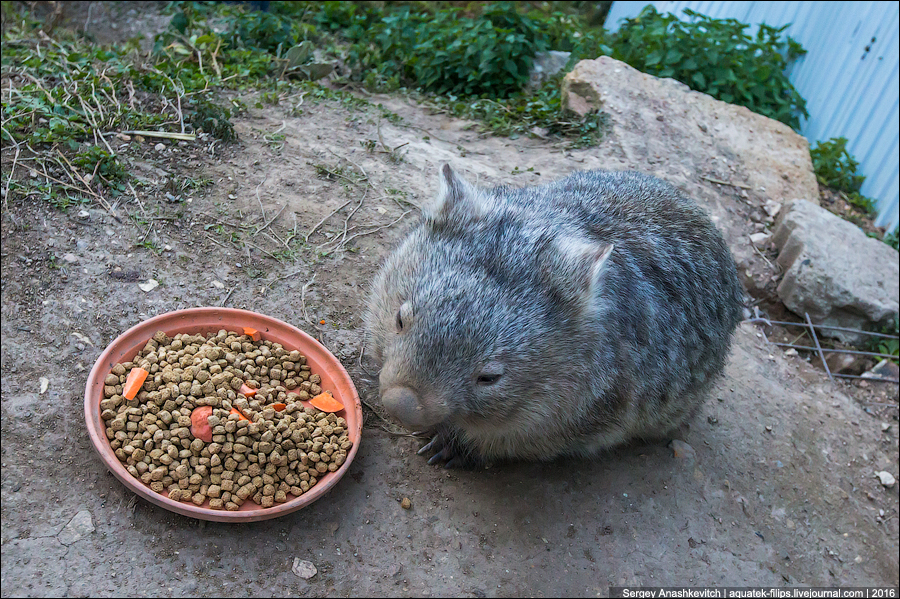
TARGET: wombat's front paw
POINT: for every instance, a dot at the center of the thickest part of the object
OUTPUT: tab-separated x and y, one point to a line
446	449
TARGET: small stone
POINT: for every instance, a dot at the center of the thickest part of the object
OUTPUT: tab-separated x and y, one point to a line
790	352
682	450
149	286
79	526
405	503
885	426
218	284
303	568
884	370
887	479
45	384
394	570
843	363
159	147
760	239
772	208
70	258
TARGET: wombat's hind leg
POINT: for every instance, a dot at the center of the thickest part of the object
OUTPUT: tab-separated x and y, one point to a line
447	449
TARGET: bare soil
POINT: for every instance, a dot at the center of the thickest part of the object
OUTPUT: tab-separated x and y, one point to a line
780	491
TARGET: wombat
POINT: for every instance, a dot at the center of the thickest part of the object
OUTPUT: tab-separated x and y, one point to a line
561	319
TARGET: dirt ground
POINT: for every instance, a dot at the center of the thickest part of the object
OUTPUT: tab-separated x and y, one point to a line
780	489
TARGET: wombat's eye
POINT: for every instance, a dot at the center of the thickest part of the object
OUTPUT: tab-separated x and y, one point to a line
490	373
487	379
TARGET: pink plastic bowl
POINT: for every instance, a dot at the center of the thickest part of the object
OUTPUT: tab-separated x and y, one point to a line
211	320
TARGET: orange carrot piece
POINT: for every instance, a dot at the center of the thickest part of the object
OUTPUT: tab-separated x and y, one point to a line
326	402
134	382
277	406
239	413
252	333
247	391
200	427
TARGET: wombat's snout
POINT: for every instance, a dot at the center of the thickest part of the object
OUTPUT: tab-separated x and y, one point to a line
404	404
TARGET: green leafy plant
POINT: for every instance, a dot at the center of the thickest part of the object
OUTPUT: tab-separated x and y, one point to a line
211	118
474	66
444	52
98	160
892	239
527	113
834	166
884	345
717	57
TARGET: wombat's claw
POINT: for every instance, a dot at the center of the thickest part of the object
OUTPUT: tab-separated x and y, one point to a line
443	455
430	446
445	452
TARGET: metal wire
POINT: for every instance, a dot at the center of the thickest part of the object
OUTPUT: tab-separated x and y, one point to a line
808	325
819	347
821	326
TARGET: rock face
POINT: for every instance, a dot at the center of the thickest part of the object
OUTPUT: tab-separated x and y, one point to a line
546	65
723	142
834	272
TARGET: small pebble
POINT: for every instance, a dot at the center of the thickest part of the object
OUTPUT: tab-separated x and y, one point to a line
159	147
405	503
303	568
682	450
887	479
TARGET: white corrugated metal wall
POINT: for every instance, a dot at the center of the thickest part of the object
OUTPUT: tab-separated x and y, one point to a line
849	76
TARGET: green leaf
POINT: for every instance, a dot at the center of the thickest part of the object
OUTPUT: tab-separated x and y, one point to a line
179	22
299	54
673	56
653	58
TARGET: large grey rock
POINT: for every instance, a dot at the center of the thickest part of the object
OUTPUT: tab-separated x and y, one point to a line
718	141
834	272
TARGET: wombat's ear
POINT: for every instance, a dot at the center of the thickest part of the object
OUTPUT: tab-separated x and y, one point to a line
574	269
454	191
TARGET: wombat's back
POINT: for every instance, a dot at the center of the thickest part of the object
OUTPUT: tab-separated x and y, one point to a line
622	287
670	297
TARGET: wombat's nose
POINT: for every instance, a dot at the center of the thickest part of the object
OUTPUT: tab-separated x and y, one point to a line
404	404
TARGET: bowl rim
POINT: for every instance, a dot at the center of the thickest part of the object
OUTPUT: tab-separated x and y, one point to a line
344	389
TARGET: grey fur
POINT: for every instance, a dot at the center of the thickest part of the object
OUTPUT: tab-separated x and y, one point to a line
596	309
